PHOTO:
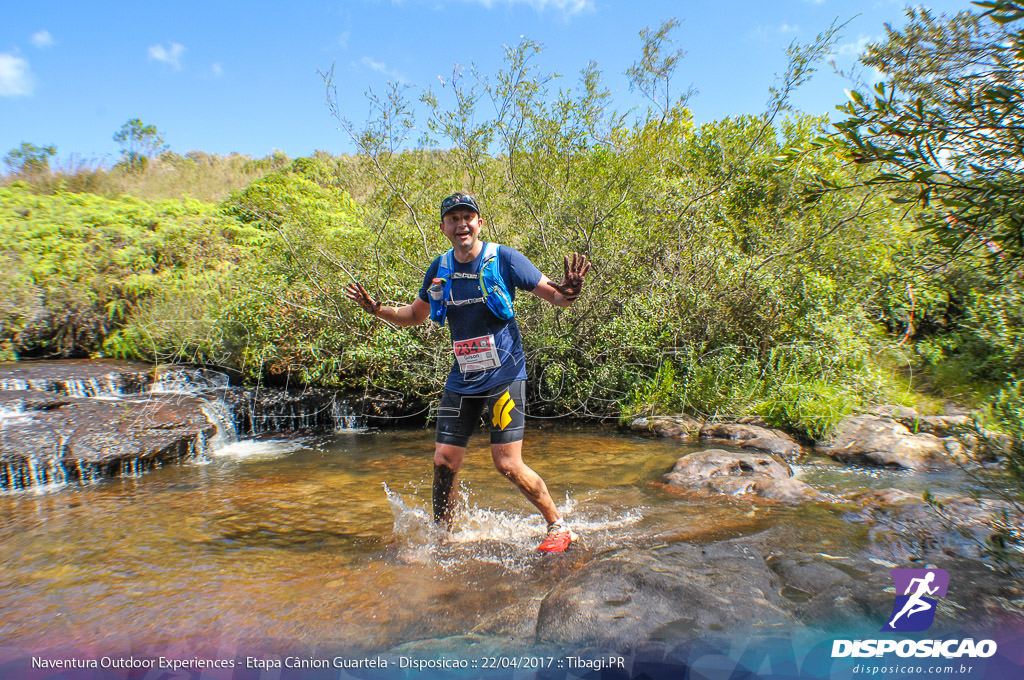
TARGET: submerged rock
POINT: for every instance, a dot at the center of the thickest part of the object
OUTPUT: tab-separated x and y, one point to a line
626	598
882	497
724	472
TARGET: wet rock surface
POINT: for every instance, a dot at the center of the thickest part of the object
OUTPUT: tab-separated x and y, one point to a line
56	439
623	598
77	377
747	433
80	420
752	435
725	472
884	442
675	427
752	586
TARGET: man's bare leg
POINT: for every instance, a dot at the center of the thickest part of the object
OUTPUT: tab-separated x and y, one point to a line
508	458
447	461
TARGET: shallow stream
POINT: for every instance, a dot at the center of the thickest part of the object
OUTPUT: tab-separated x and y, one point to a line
323	543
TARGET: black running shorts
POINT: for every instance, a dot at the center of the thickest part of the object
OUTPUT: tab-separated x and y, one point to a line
458	414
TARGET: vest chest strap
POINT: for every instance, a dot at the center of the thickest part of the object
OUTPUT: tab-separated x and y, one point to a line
470	301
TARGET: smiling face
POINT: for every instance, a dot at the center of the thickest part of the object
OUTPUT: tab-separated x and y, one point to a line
462	227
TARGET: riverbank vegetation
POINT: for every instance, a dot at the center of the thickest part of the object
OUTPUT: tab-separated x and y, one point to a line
755	265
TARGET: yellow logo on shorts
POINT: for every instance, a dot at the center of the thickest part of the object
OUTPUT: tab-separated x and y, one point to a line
502	411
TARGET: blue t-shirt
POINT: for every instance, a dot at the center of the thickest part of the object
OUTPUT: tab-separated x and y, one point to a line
476	320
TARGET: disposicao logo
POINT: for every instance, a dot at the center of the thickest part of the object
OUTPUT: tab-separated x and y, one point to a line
914	611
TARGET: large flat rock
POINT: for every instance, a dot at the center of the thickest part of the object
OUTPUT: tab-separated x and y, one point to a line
49	438
626	598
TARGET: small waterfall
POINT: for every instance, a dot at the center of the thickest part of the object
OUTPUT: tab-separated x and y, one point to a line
219	413
236	413
86	472
82	388
110	385
13	384
345	418
21	384
33	476
56	473
200	449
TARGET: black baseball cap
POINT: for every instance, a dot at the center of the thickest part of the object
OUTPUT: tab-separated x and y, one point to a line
459	200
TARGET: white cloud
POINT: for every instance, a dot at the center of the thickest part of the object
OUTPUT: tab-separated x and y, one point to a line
42	39
168	55
216	69
789	28
374	65
382	68
854	48
15	76
343	40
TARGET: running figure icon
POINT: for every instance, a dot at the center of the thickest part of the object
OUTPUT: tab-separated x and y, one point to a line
916	605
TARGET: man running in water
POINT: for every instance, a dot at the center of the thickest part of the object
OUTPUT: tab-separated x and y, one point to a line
472	286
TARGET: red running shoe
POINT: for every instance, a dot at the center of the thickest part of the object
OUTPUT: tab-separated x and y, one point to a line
559	538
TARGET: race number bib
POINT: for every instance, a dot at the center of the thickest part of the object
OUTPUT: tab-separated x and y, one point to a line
476	354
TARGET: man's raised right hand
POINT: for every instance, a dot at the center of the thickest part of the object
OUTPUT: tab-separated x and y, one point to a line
358	294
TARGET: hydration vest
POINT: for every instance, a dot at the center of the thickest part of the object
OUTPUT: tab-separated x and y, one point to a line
492	286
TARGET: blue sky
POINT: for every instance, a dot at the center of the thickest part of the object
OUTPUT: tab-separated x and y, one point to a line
243	77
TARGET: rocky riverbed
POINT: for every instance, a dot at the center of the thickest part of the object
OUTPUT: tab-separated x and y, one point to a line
777	581
729	534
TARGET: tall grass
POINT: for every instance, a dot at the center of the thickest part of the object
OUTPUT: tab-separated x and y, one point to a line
197	175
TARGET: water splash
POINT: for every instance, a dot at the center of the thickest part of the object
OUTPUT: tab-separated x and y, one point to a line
414	529
15	416
498	537
259	449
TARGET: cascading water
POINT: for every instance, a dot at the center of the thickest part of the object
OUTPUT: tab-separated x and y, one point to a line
345	417
219	413
43	445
